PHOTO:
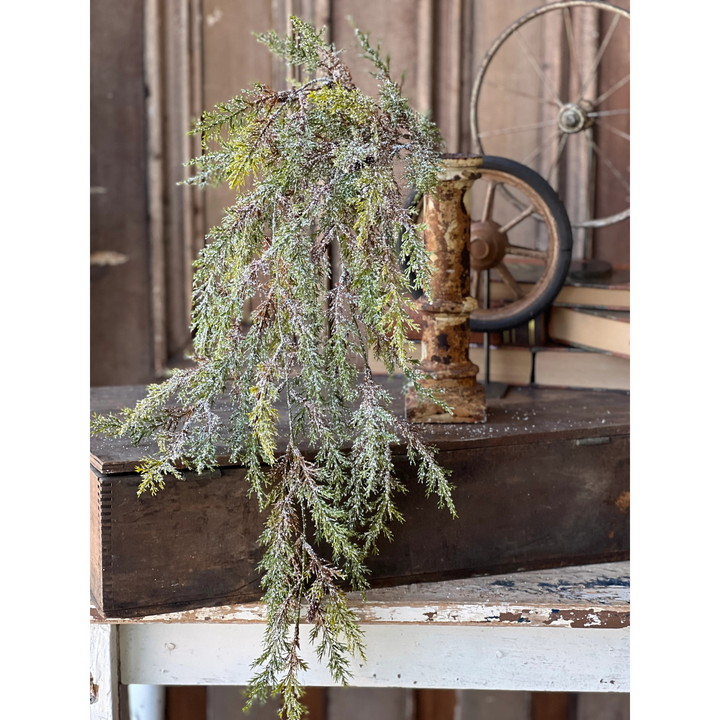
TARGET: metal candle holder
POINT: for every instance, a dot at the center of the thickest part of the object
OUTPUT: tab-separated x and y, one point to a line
446	320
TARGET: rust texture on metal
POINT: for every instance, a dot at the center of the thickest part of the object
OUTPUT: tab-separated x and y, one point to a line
445	319
488	245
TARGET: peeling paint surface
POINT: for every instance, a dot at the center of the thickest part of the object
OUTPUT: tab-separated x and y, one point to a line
562	630
103	672
512	657
587	596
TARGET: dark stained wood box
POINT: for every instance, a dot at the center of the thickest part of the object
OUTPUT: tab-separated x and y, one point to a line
544	483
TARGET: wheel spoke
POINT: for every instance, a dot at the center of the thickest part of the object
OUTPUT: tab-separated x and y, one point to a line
539	149
515	91
526	252
571	45
598	57
509	280
605	222
486	291
527	212
549	150
609	164
474	284
613	89
613	130
518	128
536	67
607	113
489	202
556	162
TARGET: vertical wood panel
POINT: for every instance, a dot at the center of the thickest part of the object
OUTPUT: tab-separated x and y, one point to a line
435	704
554	62
186	702
579	195
232	61
197	107
394	25
315	700
507	104
278	23
603	706
467	68
613	243
492	705
323	16
444	105
453	68
226	702
453	101
177	152
120	303
173	61
553	706
348	703
186	149
156	177
425	56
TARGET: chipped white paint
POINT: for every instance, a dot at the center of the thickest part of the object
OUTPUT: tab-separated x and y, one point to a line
583	596
437	614
552	630
428	656
104	672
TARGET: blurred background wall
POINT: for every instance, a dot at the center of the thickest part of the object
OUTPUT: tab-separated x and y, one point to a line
156	64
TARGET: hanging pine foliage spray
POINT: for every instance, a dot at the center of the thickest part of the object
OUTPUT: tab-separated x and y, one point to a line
324	160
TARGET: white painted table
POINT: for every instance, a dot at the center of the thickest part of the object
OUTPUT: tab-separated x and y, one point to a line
556	630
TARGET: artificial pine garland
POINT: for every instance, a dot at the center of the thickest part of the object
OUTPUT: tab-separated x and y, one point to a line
323	158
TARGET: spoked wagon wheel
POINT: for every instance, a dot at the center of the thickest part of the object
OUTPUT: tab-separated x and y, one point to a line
565	69
497	244
498	241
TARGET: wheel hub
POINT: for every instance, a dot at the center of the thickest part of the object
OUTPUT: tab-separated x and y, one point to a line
487	245
573	117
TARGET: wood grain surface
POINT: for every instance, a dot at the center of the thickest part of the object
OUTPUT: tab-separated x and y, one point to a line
544	483
524	506
524	415
120	303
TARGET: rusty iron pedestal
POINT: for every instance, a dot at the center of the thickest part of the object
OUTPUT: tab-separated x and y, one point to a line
446	320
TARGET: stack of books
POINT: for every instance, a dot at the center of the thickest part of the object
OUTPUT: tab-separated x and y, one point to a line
585	341
582	341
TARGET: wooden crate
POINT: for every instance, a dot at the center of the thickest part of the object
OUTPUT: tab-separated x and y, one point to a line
544	483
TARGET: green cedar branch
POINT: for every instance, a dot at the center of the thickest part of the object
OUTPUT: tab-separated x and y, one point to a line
326	164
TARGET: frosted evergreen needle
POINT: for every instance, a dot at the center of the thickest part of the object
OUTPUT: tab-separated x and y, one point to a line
326	163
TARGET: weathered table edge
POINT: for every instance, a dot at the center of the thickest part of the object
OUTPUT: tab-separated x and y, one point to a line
415	605
484	440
